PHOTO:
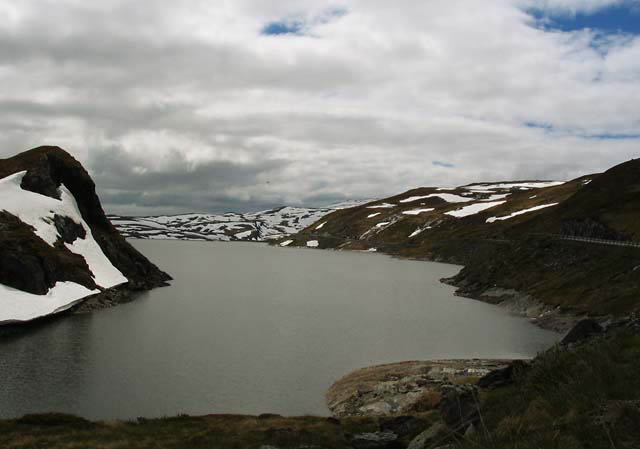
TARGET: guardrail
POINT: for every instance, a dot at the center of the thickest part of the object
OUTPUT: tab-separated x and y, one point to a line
596	241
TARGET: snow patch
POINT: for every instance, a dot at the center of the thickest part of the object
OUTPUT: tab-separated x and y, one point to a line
18	305
417	211
374	215
448	197
520	212
418	231
312	243
39	210
521	185
286	243
473	209
382	206
321	225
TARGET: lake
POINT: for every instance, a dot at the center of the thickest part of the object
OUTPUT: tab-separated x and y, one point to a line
248	328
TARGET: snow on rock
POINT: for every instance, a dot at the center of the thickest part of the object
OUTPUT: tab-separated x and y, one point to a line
499	196
286	243
38	211
269	224
374	215
419	231
17	305
473	209
312	243
243	235
417	211
520	212
320	226
382	206
382	223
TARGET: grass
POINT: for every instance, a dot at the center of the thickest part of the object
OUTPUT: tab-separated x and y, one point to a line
57	431
584	397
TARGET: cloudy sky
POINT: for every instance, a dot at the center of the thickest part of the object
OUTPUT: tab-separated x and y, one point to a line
217	105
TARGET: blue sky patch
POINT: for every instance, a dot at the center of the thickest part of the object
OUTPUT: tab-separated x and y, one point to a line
282	27
549	128
299	25
443	164
621	18
613	136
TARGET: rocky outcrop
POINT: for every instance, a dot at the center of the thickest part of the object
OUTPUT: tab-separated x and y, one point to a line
403	388
30	264
585	329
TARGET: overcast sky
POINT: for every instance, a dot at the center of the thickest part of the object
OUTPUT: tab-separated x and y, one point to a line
218	105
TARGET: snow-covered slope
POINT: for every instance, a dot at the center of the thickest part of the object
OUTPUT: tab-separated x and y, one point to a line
427	215
259	226
57	248
40	212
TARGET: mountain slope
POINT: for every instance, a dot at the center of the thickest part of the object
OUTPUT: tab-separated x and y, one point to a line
57	246
258	226
513	238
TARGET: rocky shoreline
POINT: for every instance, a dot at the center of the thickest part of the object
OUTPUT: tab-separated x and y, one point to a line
404	387
518	303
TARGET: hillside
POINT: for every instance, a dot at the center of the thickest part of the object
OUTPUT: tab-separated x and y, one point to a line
259	226
521	242
57	246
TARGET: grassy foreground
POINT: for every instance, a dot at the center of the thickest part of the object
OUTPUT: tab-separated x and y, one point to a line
585	397
53	431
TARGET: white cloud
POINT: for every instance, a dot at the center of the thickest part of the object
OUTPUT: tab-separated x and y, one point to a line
360	107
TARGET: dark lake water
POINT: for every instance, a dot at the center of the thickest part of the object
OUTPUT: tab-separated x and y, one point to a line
247	328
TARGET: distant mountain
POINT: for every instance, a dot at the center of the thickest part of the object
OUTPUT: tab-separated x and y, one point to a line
57	247
259	226
569	246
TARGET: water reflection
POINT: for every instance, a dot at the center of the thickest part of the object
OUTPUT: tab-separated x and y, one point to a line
40	366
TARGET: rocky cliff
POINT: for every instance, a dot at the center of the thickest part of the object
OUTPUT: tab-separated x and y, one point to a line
56	245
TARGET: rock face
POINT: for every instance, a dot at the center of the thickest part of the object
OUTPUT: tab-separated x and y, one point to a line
375	440
30	263
403	388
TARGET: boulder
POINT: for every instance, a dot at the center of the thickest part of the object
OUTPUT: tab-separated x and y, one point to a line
502	376
403	426
585	329
375	440
437	432
459	408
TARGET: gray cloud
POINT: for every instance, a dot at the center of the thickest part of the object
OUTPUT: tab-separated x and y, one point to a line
186	105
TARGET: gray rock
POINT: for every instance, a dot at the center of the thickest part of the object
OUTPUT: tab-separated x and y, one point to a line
435	433
375	440
401	425
459	408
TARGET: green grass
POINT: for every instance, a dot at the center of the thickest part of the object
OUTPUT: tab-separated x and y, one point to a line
56	431
586	397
